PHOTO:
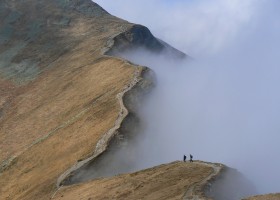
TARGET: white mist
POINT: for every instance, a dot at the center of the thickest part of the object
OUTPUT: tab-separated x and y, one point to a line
223	107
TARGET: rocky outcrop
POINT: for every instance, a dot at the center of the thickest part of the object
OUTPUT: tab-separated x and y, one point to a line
136	37
229	184
139	36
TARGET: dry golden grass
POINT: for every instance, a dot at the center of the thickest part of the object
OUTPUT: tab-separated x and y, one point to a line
169	181
79	133
58	118
81	117
51	122
73	74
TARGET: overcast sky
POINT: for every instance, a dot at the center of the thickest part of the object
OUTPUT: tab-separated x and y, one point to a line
196	27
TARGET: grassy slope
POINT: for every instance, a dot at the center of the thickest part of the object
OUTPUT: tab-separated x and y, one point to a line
51	121
168	181
58	97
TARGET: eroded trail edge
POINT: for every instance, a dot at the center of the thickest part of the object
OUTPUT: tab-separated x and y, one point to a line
103	143
197	191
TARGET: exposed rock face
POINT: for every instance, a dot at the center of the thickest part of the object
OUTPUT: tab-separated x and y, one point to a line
231	185
140	37
137	36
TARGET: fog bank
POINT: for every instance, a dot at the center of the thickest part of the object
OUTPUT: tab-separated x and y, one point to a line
222	107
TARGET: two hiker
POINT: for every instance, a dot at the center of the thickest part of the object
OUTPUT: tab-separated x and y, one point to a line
191	158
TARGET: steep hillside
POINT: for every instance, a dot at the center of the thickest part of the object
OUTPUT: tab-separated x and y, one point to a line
61	103
59	94
42	63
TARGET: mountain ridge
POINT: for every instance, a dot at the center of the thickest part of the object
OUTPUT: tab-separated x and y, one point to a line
58	92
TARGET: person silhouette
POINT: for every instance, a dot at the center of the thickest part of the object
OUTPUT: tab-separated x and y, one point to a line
185	157
191	158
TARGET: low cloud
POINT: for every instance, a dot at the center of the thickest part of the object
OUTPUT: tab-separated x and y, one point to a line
224	107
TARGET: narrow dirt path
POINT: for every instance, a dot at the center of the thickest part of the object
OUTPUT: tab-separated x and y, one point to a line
174	181
196	192
103	143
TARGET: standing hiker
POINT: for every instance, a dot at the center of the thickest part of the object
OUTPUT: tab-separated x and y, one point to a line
191	158
185	157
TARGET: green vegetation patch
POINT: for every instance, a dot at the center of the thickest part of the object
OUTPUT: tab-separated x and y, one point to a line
21	72
5	33
34	29
63	3
7	56
86	7
7	29
12	17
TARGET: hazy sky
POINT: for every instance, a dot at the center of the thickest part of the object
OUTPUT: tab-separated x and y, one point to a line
225	106
196	27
